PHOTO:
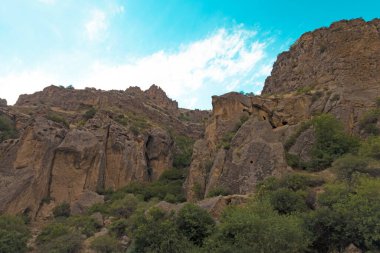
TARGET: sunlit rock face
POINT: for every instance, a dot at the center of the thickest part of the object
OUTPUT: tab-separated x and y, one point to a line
330	70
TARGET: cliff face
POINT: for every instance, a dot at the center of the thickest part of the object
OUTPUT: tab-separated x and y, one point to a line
330	70
71	142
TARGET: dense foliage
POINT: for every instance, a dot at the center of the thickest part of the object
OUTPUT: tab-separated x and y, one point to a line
7	129
13	234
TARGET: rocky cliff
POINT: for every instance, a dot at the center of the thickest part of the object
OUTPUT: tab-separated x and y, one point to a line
63	145
330	70
68	142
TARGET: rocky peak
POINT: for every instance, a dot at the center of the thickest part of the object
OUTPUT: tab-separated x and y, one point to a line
3	102
345	54
159	96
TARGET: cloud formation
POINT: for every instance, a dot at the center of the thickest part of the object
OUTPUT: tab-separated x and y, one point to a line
96	25
226	60
222	62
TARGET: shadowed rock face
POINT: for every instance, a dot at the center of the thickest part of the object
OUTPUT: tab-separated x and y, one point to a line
330	70
128	139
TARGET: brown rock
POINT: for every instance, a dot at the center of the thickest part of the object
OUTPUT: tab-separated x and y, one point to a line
352	249
84	201
3	102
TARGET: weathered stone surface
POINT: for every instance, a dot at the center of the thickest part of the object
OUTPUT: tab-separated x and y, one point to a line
126	140
303	145
346	54
26	166
331	70
216	205
254	154
352	249
84	201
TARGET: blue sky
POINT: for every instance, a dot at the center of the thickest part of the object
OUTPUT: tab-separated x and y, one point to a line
193	49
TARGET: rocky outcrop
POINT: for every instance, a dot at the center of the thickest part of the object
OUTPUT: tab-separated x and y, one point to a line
345	54
64	155
152	104
3	102
331	70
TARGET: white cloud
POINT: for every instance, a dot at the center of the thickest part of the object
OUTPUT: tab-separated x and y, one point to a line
227	59
96	25
14	84
224	61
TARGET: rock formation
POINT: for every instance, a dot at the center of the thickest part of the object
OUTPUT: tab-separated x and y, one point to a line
73	143
330	70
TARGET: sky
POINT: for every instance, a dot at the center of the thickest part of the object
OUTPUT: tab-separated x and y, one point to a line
193	49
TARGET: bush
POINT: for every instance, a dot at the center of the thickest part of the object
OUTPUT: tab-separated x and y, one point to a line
371	148
218	191
368	122
195	223
58	119
51	232
327	227
83	224
89	114
347	165
258	228
286	201
13	234
7	129
105	244
62	210
119	227
331	142
124	207
157	232
183	152
68	243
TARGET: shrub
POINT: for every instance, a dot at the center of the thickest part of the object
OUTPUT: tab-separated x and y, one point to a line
7	129
371	148
327	227
68	243
51	232
258	228
83	224
89	114
368	122
62	210
119	227
304	90
331	142
13	234
286	201
124	207
195	223
105	244
218	191
157	232
183	152
58	119
225	142
347	165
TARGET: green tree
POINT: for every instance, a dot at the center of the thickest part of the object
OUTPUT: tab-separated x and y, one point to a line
156	232
13	234
258	228
195	223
